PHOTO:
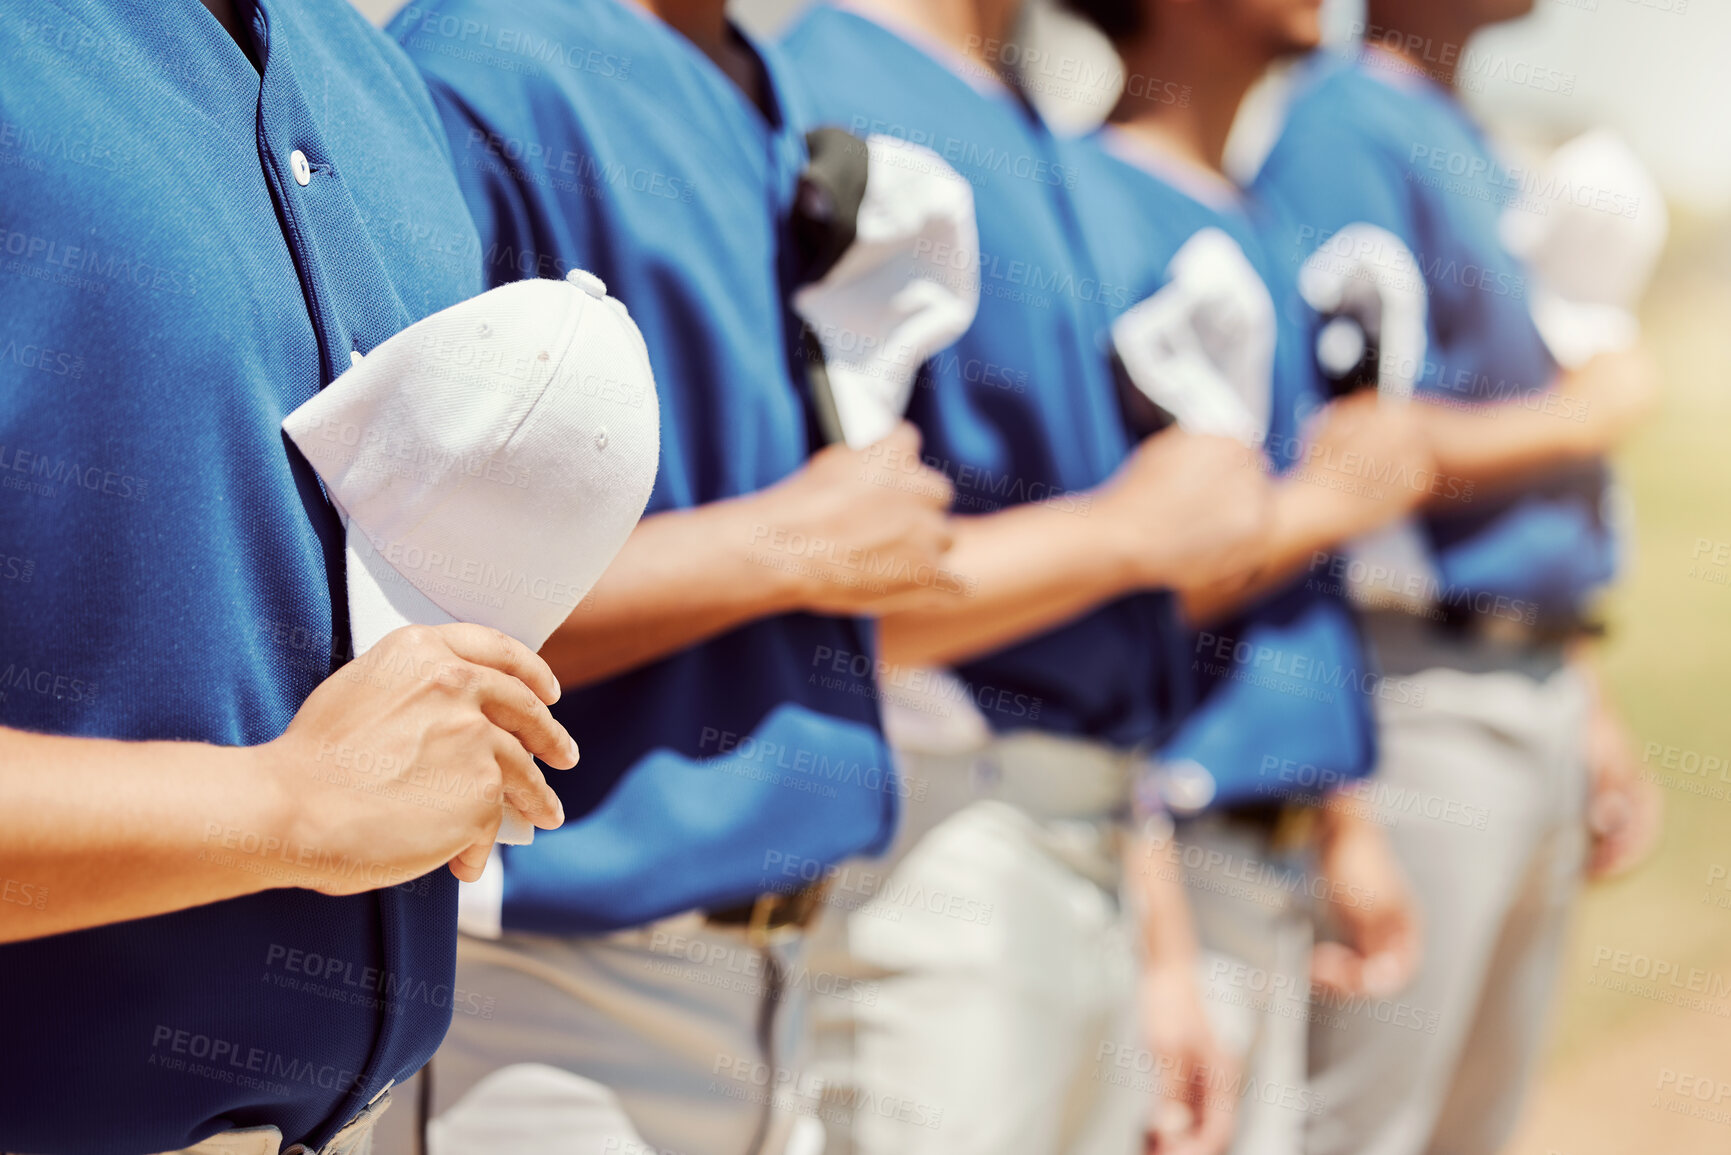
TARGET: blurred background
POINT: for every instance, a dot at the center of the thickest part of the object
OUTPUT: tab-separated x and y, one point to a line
1637	1064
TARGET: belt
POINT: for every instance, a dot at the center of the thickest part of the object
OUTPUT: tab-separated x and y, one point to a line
772	911
1404	644
1516	632
1289	828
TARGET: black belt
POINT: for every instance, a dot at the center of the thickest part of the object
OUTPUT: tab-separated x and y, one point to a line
772	910
1462	621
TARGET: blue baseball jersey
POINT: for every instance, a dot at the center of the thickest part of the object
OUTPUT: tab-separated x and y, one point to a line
1368	142
593	135
174	279
1024	406
1284	689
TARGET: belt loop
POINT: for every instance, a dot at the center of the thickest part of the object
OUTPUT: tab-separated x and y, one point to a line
757	930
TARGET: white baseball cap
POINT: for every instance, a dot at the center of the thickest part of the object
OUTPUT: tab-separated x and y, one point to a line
489	461
1365	254
1592	230
908	286
1202	347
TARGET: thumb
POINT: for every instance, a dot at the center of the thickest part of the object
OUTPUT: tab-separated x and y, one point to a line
469	865
904	438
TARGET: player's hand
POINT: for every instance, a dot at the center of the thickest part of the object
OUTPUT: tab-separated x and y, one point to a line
1366	463
1371	906
1191	1115
398	762
1624	810
1191	511
857	529
1608	396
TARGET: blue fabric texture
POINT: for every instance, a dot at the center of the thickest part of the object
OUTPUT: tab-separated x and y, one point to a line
1399	152
1284	689
1024	406
593	135
678	833
168	291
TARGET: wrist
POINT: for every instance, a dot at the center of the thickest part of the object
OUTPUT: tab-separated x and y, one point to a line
1305	517
273	799
1126	558
758	524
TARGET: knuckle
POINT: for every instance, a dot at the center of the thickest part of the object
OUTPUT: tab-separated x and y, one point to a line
418	637
444	681
529	705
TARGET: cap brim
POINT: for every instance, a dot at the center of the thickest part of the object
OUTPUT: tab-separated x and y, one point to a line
381	598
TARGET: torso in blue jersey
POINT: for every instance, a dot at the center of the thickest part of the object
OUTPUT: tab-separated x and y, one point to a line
1284	688
168	292
1365	141
1022	407
592	135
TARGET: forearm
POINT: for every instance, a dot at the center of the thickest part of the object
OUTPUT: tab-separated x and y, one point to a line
682	577
1023	571
1484	445
95	831
1308	519
1156	882
1583	414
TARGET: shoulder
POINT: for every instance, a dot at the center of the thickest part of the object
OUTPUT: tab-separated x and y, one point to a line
819	30
1337	109
852	67
488	48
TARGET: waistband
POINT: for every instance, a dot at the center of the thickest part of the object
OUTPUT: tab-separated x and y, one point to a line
1072	794
1056	776
1406	644
355	1138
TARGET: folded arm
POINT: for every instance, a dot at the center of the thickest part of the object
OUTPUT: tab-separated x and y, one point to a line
397	764
1368	463
1584	415
96	831
850	532
1182	509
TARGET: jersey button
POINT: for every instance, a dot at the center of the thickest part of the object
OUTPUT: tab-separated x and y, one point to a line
588	282
303	170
